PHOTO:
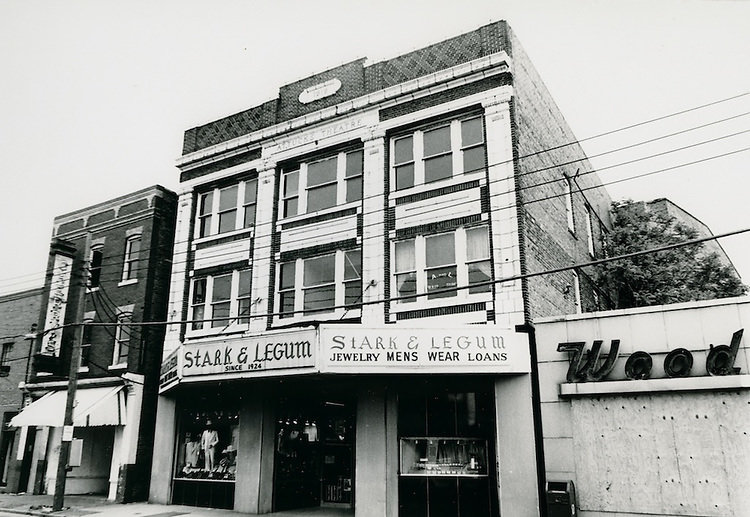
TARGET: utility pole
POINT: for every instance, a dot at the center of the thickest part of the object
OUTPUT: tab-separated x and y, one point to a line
74	364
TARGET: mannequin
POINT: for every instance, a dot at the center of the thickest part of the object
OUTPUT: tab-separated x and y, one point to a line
209	440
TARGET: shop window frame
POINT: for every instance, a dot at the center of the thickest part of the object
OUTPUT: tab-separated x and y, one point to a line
297	186
201	310
417	272
294	290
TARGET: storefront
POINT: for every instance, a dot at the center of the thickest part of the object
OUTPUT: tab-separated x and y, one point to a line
382	421
105	418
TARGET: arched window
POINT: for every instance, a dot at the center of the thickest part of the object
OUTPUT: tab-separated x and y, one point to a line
132	251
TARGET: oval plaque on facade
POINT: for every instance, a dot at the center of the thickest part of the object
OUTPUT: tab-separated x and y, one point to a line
319	91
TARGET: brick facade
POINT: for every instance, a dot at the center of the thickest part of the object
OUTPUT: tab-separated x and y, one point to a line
457	184
124	272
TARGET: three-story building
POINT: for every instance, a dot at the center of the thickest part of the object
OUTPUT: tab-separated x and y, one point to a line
353	285
106	287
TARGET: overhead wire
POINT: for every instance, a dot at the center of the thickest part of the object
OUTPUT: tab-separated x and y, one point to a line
586	158
106	260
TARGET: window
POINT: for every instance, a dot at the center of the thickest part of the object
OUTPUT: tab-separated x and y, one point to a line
95	266
577	293
320	184
435	264
227	208
439	153
321	283
4	359
123	338
569	205
132	251
224	299
589	232
86	344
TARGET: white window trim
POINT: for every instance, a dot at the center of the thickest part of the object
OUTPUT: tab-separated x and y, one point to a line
590	232
457	148
97	246
239	220
88	317
462	275
125	312
303	188
569	205
234	304
577	293
299	292
127	259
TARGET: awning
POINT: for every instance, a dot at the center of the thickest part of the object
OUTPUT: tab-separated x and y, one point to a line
93	407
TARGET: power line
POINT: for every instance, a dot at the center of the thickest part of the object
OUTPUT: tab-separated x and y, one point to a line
527	187
512	278
584	158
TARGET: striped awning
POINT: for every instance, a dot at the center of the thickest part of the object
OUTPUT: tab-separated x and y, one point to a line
93	407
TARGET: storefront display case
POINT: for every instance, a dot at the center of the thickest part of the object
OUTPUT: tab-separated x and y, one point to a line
206	458
443	456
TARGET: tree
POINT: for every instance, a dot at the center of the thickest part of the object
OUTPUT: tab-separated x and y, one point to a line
681	274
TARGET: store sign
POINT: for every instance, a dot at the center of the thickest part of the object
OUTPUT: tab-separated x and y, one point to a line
392	349
169	369
250	354
56	305
589	365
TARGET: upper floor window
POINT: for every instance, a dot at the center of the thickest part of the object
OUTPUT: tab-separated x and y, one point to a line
218	301
320	284
438	153
86	341
569	205
436	264
130	264
316	185
123	338
590	232
228	208
4	359
95	266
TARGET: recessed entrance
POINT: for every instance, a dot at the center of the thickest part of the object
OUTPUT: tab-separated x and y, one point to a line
314	452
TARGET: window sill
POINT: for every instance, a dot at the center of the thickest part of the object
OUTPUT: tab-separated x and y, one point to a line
319	317
215	331
210	239
128	282
83	369
318	213
435	185
121	367
423	303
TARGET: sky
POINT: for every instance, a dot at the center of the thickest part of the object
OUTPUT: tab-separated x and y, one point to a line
95	95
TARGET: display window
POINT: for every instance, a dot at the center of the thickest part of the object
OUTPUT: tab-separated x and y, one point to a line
314	453
207	445
446	436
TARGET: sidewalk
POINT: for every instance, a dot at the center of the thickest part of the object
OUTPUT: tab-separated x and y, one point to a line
99	506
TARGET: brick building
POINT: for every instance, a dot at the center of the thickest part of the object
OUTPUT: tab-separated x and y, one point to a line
114	258
349	288
19	313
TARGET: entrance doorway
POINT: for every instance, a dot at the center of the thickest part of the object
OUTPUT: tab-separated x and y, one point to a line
314	453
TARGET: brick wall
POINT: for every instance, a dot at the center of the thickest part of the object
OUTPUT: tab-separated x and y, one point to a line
18	311
356	80
542	138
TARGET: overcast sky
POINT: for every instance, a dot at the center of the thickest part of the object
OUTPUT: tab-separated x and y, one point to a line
95	96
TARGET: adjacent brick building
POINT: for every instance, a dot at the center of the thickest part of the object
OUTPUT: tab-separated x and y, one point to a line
115	258
352	288
19	313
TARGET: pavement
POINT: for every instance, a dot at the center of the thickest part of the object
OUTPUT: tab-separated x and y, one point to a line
99	506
